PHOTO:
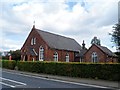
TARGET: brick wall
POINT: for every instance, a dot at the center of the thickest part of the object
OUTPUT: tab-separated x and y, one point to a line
61	55
101	55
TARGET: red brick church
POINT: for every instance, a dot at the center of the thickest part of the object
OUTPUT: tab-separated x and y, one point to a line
45	46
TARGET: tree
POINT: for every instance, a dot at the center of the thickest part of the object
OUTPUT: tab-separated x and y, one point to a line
95	41
5	56
116	39
116	36
16	55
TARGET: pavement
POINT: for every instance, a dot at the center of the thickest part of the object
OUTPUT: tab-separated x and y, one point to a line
102	83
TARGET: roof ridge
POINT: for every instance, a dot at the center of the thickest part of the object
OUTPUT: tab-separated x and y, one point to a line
101	46
55	34
109	52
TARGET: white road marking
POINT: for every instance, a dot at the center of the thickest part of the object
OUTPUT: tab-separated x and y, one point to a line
96	86
7	84
18	85
13	81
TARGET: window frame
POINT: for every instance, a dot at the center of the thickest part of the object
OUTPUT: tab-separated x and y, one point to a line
55	57
41	53
95	57
32	41
67	57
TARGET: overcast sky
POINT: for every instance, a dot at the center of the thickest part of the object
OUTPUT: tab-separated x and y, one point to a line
78	19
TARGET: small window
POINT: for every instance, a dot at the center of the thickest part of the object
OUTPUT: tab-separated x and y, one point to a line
94	57
55	56
32	41
67	57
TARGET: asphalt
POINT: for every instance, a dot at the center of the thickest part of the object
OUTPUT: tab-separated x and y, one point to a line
103	83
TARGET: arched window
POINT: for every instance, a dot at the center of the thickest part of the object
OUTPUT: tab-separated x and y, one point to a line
41	53
94	57
67	57
32	41
55	56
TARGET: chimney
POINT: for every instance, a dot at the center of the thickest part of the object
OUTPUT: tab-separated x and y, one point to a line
83	45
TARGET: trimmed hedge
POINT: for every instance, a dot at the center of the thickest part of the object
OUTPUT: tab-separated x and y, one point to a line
73	69
82	70
9	64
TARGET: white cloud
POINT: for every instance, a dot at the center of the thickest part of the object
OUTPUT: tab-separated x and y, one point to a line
81	22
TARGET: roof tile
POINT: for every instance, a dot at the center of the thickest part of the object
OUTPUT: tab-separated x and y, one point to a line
59	42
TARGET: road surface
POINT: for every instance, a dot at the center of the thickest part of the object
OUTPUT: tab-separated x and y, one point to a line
17	80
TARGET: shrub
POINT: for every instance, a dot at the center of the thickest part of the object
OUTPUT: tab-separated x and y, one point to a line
9	64
72	69
82	70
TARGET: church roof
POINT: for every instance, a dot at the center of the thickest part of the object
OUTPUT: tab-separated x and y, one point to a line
106	50
83	51
59	42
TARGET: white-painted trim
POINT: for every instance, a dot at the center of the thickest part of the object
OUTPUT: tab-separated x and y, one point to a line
67	58
32	41
40	53
23	57
55	57
34	51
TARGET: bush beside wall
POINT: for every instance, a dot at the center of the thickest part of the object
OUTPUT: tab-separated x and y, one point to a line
73	69
9	64
95	71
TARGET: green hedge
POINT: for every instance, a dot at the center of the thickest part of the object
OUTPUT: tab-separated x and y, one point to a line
82	70
9	64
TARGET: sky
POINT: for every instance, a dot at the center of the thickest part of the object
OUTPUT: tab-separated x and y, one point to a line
77	19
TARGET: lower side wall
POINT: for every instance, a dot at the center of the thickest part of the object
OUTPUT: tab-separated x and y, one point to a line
48	56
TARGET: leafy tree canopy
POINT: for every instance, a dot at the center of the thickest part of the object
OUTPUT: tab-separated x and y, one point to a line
116	36
16	55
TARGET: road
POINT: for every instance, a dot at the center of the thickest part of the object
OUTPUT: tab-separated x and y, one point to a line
17	80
